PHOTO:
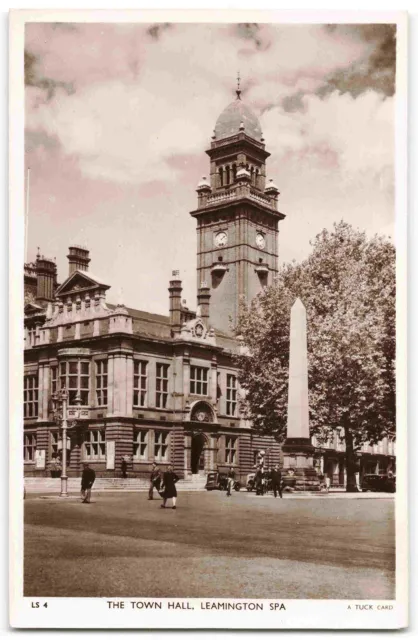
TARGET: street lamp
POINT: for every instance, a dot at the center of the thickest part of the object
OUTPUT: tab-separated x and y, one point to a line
61	400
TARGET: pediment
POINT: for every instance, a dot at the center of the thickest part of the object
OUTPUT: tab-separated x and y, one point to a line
31	308
80	281
197	330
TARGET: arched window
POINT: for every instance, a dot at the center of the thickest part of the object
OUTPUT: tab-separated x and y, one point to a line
252	175
221	176
234	172
227	174
257	173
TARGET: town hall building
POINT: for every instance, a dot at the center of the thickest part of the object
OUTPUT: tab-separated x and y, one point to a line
157	388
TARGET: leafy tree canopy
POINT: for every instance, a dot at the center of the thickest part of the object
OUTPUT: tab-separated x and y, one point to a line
348	288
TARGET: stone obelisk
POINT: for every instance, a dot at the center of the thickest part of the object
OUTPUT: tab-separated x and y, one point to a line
298	451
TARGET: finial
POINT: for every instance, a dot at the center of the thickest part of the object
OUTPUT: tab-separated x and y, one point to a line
238	91
38	255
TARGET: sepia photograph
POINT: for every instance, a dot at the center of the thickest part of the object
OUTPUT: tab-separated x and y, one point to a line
209	318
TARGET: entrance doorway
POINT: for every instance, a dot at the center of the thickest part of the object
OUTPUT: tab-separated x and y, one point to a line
198	453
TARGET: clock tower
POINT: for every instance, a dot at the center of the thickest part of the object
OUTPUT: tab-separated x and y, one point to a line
237	216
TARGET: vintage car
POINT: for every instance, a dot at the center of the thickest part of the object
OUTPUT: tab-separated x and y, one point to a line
219	481
250	485
378	482
250	482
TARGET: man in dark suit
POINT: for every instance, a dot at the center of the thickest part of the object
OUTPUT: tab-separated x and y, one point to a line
154	481
230	479
276	481
87	480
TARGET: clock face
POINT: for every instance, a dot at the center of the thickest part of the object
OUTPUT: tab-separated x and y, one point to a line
221	239
260	241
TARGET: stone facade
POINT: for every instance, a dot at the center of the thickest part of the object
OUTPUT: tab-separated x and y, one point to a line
149	387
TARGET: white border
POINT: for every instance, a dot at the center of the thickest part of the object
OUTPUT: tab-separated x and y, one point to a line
94	612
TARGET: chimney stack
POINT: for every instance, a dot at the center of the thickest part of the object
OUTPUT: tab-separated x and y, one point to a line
46	279
175	290
78	258
203	299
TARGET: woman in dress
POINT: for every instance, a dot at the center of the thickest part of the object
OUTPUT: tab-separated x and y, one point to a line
168	489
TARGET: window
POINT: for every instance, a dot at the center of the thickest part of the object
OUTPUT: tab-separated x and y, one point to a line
140	383
101	383
30	396
32	336
227	174
162	386
54	437
199	381
140	447
54	380
231	395
161	446
95	445
230	450
29	447
75	377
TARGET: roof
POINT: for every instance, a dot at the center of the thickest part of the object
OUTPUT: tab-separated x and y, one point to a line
87	277
229	122
148	324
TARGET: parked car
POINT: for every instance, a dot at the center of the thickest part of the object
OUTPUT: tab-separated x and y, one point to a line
219	481
250	482
250	485
378	482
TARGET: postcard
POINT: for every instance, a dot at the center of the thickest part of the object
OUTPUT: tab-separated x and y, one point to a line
208	214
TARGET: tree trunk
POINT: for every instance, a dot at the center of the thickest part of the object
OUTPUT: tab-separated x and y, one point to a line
351	461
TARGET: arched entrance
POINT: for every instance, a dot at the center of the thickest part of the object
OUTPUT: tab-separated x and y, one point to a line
198	453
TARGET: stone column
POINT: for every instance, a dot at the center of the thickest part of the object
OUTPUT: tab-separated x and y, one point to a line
151	373
129	385
299	470
213	380
187	455
110	383
40	391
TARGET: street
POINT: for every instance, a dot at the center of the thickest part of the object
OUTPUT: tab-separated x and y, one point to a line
122	545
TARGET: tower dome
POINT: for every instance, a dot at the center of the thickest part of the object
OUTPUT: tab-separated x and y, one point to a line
236	118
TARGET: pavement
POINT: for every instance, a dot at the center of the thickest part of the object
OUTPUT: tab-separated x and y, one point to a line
245	546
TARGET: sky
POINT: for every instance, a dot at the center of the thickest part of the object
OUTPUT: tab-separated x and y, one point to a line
118	118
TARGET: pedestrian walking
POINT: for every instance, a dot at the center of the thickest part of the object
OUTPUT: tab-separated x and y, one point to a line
258	482
87	480
276	481
168	488
230	481
327	483
124	468
154	481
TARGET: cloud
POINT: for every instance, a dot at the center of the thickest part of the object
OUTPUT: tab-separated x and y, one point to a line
157	30
353	135
376	70
34	79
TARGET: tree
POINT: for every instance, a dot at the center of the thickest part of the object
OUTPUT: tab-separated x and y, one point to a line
347	285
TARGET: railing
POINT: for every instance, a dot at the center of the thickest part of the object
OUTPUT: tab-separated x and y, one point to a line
232	194
260	197
221	197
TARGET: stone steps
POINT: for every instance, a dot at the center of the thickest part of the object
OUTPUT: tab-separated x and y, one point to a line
52	485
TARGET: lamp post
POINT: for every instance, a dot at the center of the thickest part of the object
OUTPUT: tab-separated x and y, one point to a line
62	400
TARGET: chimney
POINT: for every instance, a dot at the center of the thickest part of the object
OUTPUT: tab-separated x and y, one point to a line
175	290
203	298
78	258
46	279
